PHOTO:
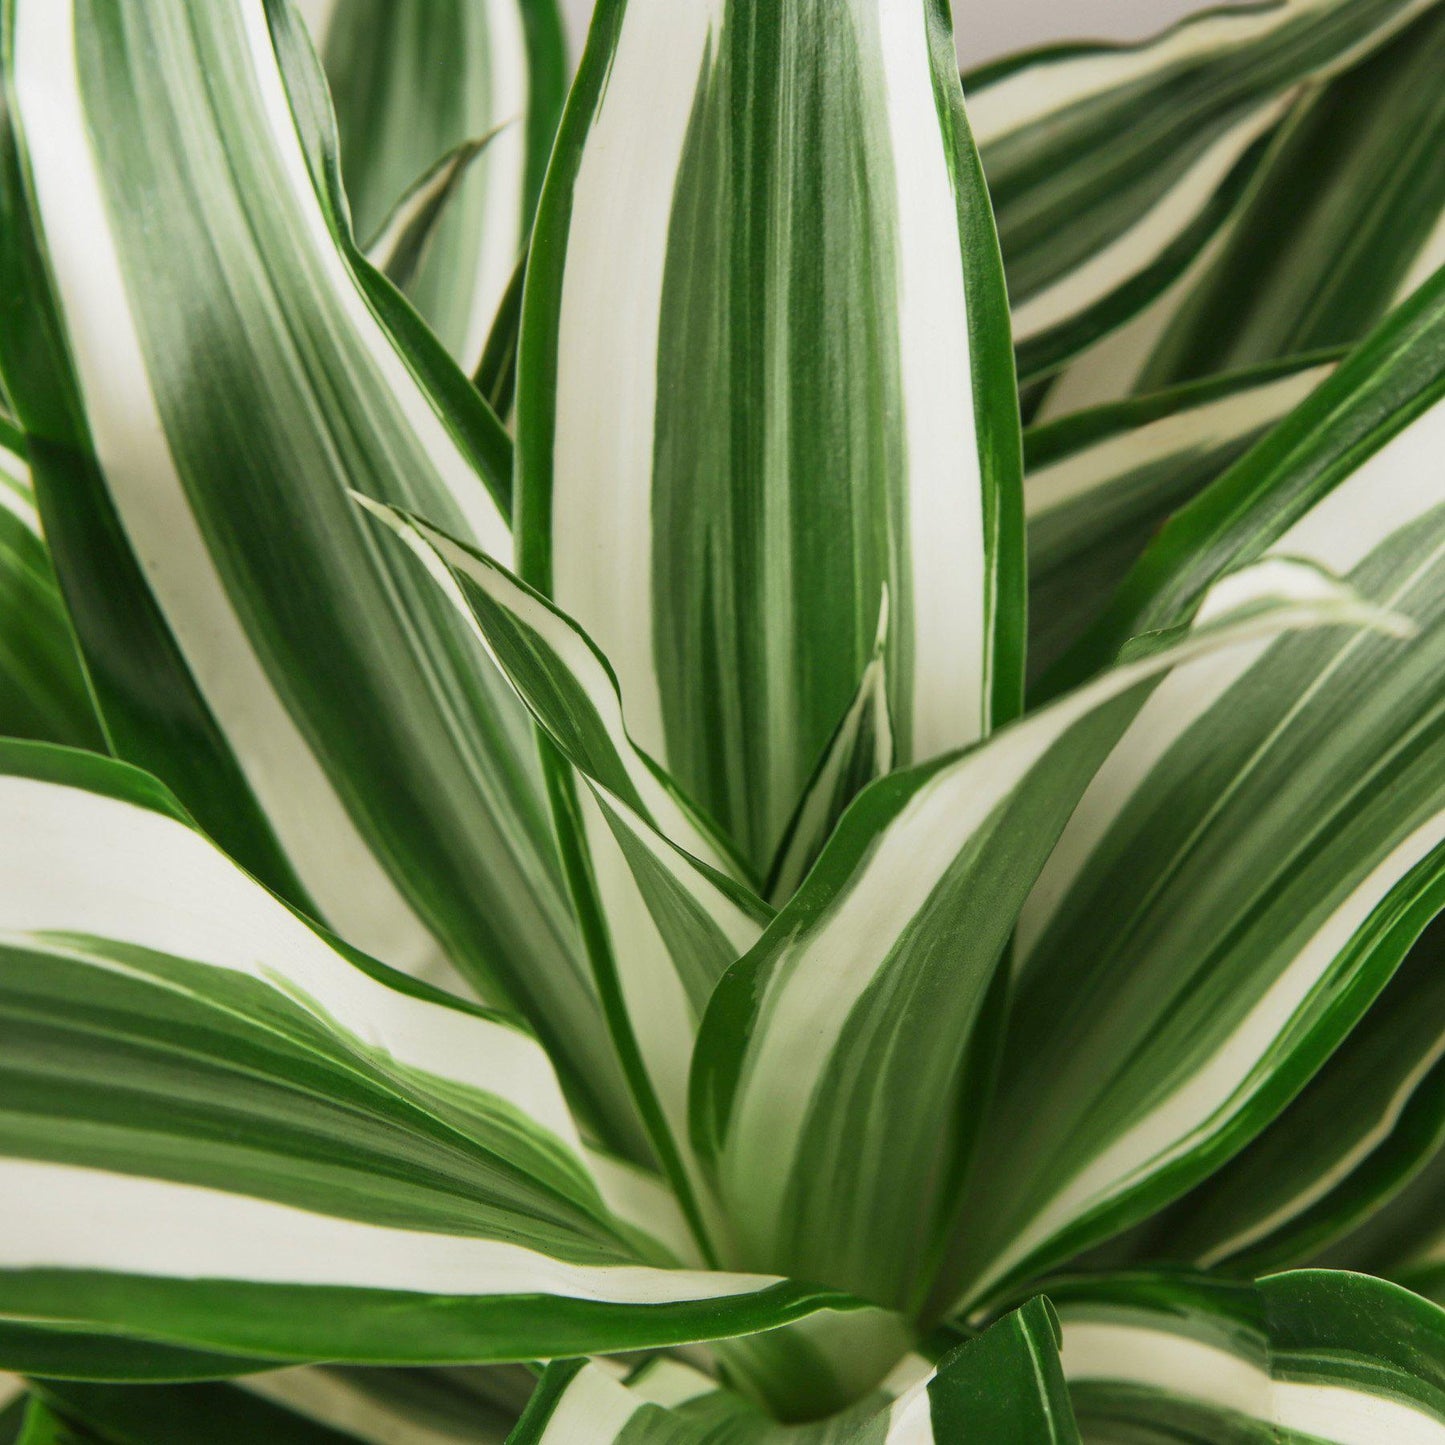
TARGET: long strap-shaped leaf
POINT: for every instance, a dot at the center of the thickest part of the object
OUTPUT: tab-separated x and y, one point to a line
662	917
765	373
224	1132
1315	1356
410	83
1260	851
42	692
1099	484
1362	1131
1005	1385
1342	222
826	1088
1348	219
204	366
1112	167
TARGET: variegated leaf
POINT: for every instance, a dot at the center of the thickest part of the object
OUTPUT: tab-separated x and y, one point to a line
765	373
1313	1357
227	1133
830	1086
1251	864
411	83
1100	483
204	366
43	694
1112	167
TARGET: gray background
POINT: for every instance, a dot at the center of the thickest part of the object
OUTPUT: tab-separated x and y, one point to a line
989	27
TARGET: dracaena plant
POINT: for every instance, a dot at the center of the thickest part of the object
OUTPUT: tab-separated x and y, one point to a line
597	847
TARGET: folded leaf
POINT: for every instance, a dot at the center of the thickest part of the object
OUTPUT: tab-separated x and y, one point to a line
1098	484
43	694
1260	851
43	1427
1111	167
765	373
204	366
1347	220
662	917
827	1085
1003	1385
409	85
225	1132
1328	1358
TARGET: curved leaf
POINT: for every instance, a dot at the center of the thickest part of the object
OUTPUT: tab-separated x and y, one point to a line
1112	167
828	1088
225	1132
205	366
1097	485
43	694
1260	851
412	83
1315	1356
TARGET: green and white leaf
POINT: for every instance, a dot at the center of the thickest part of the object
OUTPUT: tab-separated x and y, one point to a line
1099	484
747	361
1003	1385
1112	167
254	641
43	694
1347	220
662	916
411	84
225	1132
1314	1357
1361	1132
1259	853
830	1076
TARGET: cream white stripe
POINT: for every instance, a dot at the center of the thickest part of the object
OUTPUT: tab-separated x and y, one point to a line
1111	367
608	328
1196	429
64	1217
946	559
1137	248
1177	1365
505	160
821	979
1219	1088
11	1388
594	1407
1342	1168
1389	492
582	663
1031	94
77	863
337	867
489	529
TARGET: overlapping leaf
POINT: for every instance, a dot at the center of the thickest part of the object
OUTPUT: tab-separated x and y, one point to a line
1003	1385
225	1133
204	366
765	374
1254	860
1347	220
1100	483
1111	168
1327	1358
834	1069
412	83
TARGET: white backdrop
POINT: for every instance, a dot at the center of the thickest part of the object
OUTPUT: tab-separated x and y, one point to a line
989	27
